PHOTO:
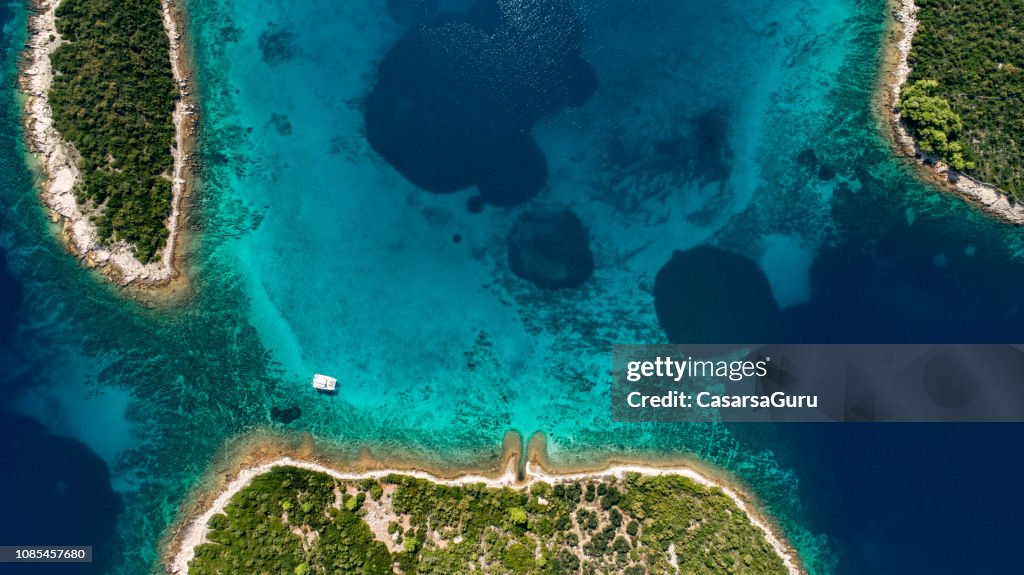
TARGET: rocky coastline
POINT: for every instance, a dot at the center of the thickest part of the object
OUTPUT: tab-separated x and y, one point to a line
519	467
57	159
988	198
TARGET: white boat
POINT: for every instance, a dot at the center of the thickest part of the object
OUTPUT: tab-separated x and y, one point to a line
324	382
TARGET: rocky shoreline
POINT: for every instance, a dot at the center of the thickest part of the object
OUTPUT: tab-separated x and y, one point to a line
986	197
58	159
265	453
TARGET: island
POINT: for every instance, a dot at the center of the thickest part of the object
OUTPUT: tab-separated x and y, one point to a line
954	97
294	512
109	118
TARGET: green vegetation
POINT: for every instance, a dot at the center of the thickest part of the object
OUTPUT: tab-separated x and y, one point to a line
113	97
294	520
974	51
933	122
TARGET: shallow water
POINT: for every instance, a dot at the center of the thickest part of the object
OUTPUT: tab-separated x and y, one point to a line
316	255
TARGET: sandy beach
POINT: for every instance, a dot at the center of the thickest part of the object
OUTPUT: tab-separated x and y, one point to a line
58	159
986	197
192	530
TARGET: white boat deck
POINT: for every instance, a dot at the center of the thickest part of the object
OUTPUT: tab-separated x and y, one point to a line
324	382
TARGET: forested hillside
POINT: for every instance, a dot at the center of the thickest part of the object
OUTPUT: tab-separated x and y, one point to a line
974	50
292	520
113	97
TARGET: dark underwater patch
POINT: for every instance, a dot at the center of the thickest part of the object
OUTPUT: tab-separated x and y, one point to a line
807	158
277	46
697	150
475	204
514	180
456	98
285	415
59	494
708	295
281	123
550	249
230	34
712	157
810	160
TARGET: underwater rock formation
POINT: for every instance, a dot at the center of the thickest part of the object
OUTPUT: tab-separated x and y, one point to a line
807	158
708	295
457	97
281	124
285	415
277	46
550	248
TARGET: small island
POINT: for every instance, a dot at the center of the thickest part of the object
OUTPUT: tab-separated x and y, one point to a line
108	116
956	94
294	514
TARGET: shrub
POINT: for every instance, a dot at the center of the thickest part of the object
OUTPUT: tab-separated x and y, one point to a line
518	516
112	97
933	122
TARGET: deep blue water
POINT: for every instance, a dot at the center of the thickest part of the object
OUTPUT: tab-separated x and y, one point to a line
744	125
58	491
913	498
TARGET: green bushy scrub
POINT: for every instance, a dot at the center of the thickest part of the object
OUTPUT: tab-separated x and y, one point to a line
291	520
113	98
974	52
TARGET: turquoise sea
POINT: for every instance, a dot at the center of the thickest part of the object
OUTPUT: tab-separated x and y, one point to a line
746	125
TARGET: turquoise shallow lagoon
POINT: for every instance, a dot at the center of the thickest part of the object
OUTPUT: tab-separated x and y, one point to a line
747	125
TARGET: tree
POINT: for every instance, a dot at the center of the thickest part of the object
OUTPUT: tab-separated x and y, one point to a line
933	123
518	516
411	545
